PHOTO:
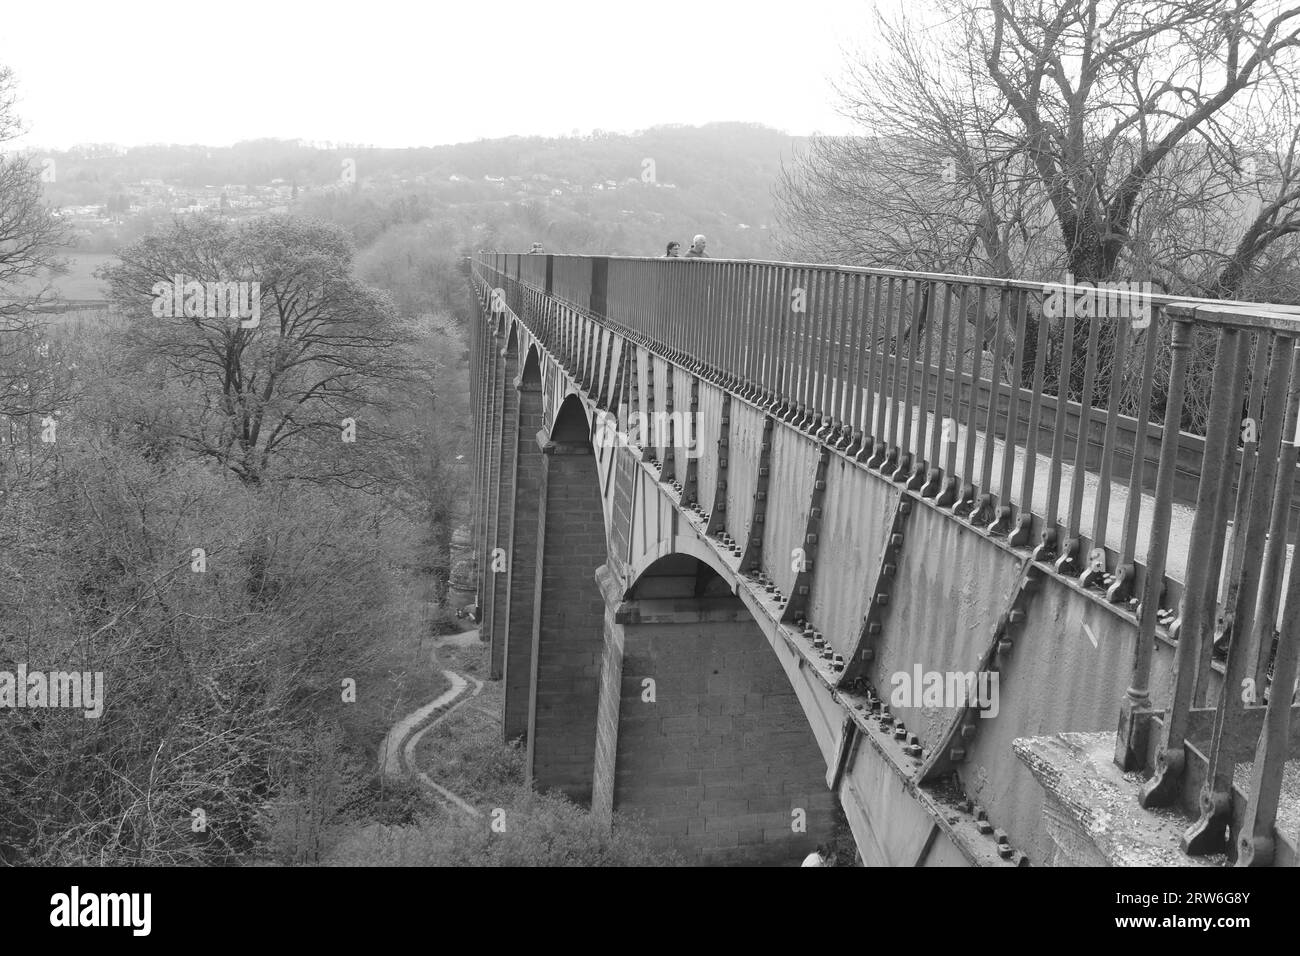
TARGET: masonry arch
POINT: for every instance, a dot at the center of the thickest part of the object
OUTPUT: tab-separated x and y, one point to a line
700	732
571	425
531	367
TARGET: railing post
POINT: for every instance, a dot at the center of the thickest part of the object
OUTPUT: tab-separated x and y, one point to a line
1202	578
1255	842
1226	749
1135	708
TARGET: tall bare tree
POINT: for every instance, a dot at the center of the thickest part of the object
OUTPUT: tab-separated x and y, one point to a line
1031	137
304	389
29	232
32	382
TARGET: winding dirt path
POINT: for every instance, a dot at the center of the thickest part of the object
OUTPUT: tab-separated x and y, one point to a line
397	752
408	752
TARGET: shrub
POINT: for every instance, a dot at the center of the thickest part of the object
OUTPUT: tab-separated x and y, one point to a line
536	830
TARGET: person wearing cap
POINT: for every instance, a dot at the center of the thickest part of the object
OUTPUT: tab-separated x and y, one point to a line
697	249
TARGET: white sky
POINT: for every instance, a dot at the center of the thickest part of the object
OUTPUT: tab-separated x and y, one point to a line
419	72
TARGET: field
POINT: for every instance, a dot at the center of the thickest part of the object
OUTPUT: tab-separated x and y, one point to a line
78	283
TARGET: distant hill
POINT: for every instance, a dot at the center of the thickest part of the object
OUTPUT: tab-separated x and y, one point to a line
603	194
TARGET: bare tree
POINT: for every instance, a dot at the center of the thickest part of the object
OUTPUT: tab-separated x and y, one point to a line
315	372
934	186
1094	136
32	383
1271	185
29	232
1106	92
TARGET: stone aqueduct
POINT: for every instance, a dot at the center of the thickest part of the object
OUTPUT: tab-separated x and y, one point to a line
703	622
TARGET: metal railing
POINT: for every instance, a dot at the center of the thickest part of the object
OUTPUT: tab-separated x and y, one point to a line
1120	435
